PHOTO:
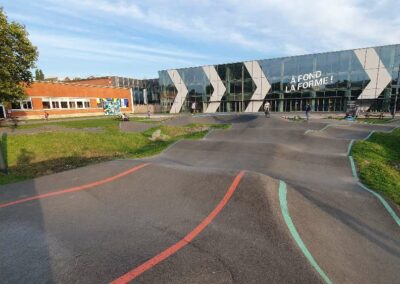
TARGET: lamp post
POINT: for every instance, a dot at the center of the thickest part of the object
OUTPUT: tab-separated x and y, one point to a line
397	93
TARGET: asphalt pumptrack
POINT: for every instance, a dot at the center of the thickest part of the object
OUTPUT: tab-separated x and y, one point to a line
266	201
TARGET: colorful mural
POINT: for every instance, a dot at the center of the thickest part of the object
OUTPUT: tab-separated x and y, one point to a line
111	106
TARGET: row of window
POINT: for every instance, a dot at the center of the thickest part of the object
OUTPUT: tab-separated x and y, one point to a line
65	103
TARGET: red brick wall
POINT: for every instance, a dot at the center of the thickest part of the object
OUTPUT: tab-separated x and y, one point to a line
38	90
52	89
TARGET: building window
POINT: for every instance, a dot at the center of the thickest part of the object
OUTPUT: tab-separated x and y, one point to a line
72	104
46	104
25	104
64	104
87	104
55	104
79	104
16	105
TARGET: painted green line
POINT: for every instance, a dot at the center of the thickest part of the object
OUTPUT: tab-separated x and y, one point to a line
295	234
308	130
369	135
389	209
353	167
350	146
383	201
324	128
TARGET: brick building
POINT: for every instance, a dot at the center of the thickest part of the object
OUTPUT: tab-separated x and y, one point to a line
60	99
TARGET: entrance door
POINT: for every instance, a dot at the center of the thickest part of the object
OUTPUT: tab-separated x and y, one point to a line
2	112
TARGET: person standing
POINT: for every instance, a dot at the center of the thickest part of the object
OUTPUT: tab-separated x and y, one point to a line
193	107
267	107
308	110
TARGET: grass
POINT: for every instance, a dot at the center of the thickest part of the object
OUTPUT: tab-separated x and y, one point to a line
106	122
103	122
378	163
33	155
373	120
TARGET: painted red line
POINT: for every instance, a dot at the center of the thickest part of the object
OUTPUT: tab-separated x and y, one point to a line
183	242
77	188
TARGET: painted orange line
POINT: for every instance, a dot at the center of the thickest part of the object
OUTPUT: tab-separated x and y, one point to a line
183	242
77	188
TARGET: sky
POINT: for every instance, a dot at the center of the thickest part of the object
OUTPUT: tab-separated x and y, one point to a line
81	38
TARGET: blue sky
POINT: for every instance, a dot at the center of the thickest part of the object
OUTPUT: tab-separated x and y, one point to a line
138	38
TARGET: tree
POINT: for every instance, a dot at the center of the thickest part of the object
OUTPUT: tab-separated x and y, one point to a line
39	75
17	58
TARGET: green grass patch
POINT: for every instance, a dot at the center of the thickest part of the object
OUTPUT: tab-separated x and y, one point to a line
107	122
210	125
145	120
33	155
378	163
373	120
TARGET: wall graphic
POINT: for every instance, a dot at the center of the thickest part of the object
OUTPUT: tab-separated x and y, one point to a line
262	84
219	88
111	106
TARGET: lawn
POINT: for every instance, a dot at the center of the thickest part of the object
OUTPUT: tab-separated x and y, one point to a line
106	122
33	155
373	120
378	163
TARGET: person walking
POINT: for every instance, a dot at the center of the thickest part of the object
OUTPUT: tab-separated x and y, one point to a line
267	107
308	110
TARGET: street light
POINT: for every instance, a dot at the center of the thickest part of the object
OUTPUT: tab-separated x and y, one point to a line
397	93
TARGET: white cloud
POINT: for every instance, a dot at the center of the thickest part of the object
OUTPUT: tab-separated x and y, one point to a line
162	34
264	25
106	48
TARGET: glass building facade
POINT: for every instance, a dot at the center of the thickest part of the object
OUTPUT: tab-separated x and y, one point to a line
326	81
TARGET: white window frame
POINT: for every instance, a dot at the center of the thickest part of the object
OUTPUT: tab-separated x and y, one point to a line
21	104
67	100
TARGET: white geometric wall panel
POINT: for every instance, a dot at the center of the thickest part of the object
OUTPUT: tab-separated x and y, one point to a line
375	70
181	89
262	86
219	88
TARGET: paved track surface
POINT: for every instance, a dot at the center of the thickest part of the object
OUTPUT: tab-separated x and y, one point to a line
116	222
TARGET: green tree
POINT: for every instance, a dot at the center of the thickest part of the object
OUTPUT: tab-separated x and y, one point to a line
39	75
17	58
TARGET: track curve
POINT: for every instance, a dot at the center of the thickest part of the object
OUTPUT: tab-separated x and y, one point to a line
103	232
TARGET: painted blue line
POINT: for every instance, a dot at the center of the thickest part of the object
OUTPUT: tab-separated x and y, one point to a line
369	135
353	167
324	128
295	234
308	130
350	146
384	202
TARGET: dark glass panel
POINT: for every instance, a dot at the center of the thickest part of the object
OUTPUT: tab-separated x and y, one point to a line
343	80
290	66
344	61
387	55
271	67
221	70
305	64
